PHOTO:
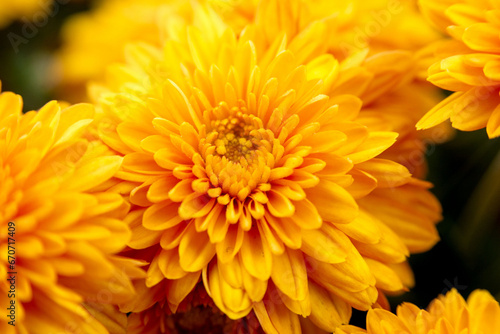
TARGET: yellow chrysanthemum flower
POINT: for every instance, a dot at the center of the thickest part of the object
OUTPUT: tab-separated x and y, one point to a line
445	315
61	231
247	169
352	27
467	64
92	41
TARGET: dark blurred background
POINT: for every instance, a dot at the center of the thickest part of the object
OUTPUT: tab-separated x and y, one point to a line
465	171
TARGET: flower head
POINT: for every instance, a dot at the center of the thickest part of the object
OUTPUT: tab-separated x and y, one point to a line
466	64
446	314
248	170
65	232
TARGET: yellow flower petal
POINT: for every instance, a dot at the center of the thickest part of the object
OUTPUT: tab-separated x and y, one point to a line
333	203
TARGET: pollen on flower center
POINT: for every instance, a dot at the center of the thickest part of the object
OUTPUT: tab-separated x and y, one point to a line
238	151
234	140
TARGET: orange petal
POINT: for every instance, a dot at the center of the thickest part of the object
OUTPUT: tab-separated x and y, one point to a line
384	322
387	279
196	205
289	274
161	216
362	228
168	262
279	205
228	247
158	191
132	134
326	244
287	231
376	143
93	173
169	158
327	310
388	173
276	318
333	202
217	228
195	249
177	290
306	215
493	125
255	288
234	302
181	190
485	312
255	255
141	163
269	236
482	37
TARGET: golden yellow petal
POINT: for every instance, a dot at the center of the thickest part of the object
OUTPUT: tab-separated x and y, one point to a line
269	236
169	264
195	249
177	290
482	37
218	227
158	191
484	312
230	245
275	318
333	202
93	173
195	205
289	233
387	279
384	322
170	238
154	143
234	302
306	215
452	105
493	125
279	205
161	216
326	244
255	288
362	229
476	113
375	143
256	256
388	173
327	310
169	158
181	190
141	163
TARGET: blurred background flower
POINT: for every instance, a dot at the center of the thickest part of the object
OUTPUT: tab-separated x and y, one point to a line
448	313
36	53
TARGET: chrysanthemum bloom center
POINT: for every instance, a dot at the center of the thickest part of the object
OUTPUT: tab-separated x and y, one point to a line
235	139
237	150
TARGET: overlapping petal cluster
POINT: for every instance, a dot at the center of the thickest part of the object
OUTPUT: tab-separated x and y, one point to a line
94	40
251	169
66	229
447	314
467	64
